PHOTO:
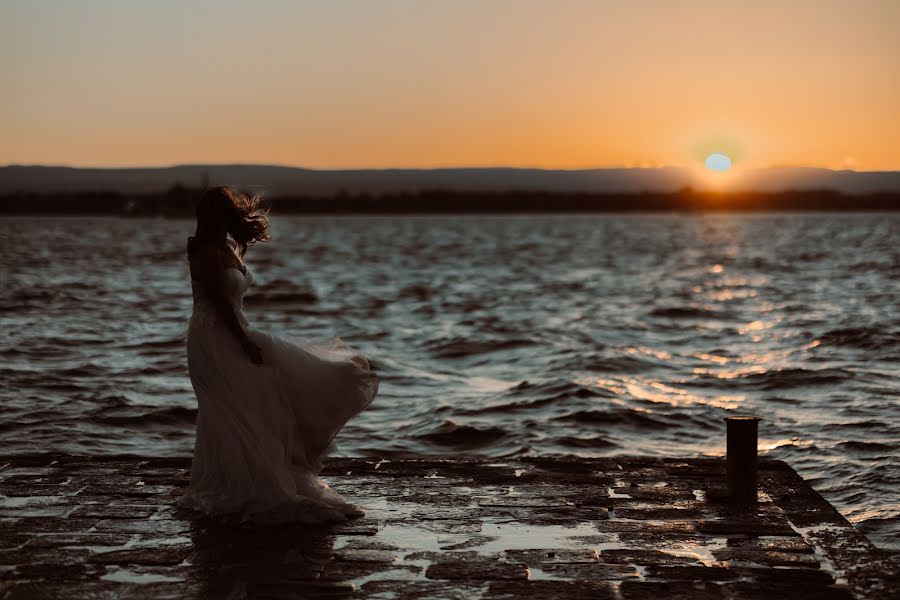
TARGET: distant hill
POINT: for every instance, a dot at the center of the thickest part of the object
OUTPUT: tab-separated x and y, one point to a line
282	181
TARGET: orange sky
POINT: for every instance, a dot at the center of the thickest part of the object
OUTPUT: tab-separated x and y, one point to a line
451	83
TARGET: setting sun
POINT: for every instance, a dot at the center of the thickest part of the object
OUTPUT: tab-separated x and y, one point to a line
718	162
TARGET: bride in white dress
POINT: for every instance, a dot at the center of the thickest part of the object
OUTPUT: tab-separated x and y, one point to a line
268	407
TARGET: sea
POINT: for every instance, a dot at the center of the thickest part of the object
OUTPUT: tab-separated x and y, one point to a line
502	336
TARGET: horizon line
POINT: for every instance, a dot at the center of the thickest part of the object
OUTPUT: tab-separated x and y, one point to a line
441	168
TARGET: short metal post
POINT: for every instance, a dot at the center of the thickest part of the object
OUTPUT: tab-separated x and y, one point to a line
743	463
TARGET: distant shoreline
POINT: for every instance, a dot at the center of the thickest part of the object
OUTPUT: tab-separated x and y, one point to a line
179	201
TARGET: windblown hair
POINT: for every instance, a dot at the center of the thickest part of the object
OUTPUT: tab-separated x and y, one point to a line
249	222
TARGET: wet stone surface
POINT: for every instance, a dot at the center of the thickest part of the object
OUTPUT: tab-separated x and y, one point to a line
622	528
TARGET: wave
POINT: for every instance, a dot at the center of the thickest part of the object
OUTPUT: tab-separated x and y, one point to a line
619	416
281	298
463	437
12	424
176	342
777	379
160	368
559	388
525	405
173	415
688	312
607	364
868	424
860	446
281	291
416	292
536	396
867	338
796	377
596	441
85	370
462	347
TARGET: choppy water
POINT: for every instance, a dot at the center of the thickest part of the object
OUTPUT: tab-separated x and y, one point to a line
586	335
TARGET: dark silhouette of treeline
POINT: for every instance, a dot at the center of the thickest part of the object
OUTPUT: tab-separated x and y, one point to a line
179	201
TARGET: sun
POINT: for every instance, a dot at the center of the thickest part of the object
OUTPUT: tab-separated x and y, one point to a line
720	163
717	174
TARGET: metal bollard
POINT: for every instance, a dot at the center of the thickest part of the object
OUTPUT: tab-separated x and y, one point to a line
743	463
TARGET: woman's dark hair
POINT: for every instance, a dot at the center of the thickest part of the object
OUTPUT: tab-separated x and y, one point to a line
248	222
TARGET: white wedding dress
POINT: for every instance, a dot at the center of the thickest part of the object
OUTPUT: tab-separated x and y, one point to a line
263	430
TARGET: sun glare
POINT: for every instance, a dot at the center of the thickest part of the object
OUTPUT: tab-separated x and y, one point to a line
718	162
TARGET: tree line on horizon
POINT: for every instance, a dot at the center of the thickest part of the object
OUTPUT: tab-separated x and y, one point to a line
179	201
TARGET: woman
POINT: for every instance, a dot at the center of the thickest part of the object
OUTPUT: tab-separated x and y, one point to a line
269	407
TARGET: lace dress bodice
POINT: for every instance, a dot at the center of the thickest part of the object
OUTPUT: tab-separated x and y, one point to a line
236	285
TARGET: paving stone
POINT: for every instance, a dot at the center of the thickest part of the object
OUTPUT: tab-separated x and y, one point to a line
693	572
644	557
12	502
668	494
594	539
348	571
103	590
112	511
366	556
677	514
298	589
550	590
746	590
50	525
779	576
14	540
478	570
771	558
158	527
672	590
126	491
446	526
51	573
31	512
762	511
143	556
646	526
779	543
470	542
36	490
524	501
590	498
541	556
52	477
44	556
402	589
434	556
59	540
356	527
814	517
555	514
367	543
668	541
745	526
596	571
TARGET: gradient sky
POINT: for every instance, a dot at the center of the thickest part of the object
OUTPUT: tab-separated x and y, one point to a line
451	83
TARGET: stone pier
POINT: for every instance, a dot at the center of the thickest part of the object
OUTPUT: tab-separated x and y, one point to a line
629	528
